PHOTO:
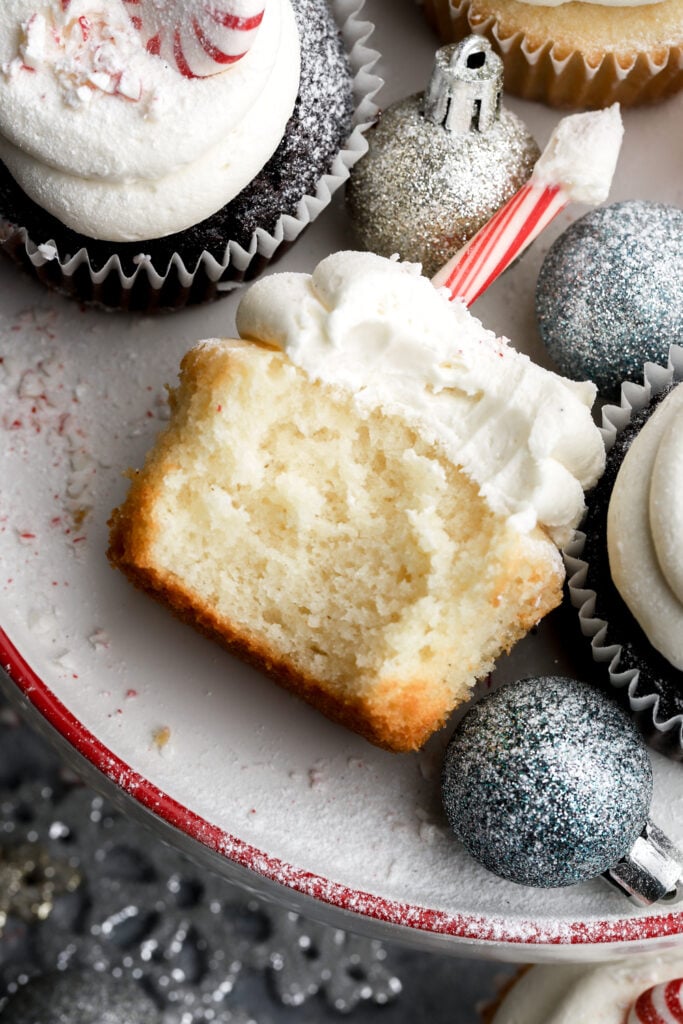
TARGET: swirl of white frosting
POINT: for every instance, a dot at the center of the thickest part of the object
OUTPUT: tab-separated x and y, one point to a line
112	140
645	528
379	329
585	994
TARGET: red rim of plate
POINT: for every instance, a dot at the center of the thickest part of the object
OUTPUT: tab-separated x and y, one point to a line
462	926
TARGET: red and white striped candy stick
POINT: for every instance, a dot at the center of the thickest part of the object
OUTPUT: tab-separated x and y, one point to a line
662	1004
201	37
577	165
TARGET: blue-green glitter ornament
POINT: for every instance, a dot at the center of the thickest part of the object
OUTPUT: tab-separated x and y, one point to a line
546	782
610	293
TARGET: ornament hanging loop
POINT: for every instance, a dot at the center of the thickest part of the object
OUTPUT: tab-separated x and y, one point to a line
652	870
464	93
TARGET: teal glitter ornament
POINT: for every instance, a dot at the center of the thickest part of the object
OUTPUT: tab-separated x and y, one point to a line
547	783
442	162
609	296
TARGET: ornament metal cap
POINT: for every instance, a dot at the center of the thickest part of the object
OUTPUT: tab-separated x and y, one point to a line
464	93
652	870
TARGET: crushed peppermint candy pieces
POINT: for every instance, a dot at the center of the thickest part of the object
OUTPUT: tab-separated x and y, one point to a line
88	54
91	49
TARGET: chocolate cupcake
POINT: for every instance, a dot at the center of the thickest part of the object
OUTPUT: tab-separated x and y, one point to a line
625	578
136	180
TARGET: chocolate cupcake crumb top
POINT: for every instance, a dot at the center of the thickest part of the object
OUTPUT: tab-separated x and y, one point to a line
319	125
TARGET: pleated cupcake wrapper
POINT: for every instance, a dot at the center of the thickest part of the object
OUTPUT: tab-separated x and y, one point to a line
542	74
668	733
175	285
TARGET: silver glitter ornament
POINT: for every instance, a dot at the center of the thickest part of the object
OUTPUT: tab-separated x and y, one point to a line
441	163
547	783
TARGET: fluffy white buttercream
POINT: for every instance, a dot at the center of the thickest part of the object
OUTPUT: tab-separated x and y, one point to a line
379	329
115	142
601	994
581	155
645	528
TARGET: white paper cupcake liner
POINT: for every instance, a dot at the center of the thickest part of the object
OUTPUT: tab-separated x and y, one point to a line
176	284
548	75
666	734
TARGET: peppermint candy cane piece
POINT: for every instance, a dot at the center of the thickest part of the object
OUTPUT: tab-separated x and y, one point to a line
200	37
662	1004
577	165
500	241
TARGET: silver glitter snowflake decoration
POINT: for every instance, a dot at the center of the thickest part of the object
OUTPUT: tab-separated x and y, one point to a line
83	889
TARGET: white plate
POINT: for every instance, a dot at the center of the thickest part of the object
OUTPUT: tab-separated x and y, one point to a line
251	779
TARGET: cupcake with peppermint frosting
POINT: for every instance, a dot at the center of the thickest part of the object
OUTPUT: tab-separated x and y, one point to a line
153	155
576	53
627	564
640	990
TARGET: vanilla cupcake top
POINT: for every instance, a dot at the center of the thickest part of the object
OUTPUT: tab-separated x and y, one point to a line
598	3
114	140
645	528
380	330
